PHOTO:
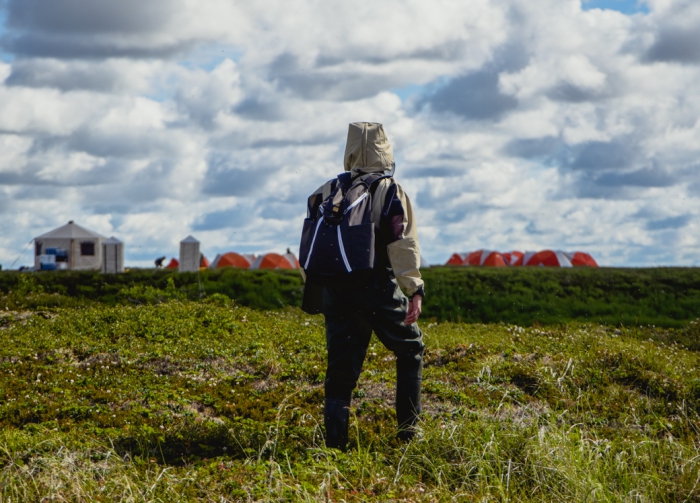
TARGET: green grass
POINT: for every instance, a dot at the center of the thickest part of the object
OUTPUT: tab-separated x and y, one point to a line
526	296
211	401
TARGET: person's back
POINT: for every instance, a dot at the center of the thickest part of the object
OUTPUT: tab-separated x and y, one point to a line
378	304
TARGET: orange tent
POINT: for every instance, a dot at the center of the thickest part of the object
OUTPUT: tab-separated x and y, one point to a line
457	259
494	259
203	261
174	263
548	258
486	258
581	259
275	261
474	258
233	259
514	258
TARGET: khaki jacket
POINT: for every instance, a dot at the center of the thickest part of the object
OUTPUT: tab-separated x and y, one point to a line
368	151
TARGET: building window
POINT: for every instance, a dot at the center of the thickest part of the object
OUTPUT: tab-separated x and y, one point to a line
37	248
87	248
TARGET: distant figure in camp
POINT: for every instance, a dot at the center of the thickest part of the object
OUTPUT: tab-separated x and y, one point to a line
359	249
159	262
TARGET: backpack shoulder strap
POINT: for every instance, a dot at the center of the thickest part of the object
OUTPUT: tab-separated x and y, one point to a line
334	184
371	179
373	182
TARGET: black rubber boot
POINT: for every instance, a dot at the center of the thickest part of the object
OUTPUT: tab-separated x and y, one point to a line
336	417
408	407
409	376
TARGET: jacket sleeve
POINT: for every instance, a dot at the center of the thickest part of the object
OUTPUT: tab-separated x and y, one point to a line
403	248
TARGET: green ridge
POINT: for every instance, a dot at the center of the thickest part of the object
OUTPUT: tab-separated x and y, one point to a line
667	297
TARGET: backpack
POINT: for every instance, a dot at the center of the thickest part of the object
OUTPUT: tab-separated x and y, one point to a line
338	241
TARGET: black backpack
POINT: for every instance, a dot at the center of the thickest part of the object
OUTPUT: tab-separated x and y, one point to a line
338	240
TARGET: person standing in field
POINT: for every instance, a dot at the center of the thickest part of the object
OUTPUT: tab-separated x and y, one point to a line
359	249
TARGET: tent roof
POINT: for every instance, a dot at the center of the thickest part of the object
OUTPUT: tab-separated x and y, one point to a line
190	239
71	231
275	261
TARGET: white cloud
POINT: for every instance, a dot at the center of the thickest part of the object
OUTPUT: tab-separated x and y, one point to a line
533	124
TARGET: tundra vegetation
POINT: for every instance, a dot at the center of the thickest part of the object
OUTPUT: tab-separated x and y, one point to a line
524	296
160	394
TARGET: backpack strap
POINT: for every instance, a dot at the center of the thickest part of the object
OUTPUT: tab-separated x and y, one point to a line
382	177
372	179
382	259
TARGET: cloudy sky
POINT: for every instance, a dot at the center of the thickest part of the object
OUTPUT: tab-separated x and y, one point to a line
517	124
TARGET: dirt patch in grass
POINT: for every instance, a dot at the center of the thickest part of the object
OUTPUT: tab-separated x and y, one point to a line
203	412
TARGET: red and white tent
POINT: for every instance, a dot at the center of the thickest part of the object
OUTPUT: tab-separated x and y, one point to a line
233	259
581	259
457	259
276	261
547	258
486	258
514	258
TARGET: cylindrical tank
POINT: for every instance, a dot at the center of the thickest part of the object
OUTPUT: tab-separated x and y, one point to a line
112	256
189	255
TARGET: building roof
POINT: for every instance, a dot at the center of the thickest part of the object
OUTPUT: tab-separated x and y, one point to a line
190	239
113	241
71	231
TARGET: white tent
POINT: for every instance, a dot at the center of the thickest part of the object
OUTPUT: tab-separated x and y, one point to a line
113	256
69	247
189	255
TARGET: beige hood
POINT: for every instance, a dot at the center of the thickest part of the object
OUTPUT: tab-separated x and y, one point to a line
368	150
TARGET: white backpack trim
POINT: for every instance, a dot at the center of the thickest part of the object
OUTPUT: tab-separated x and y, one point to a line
342	251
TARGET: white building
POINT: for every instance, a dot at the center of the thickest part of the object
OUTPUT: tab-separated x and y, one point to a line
112	256
69	247
189	255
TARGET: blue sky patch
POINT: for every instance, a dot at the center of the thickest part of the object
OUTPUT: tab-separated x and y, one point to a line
624	6
409	91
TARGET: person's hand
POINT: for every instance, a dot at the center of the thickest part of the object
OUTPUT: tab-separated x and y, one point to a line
414	309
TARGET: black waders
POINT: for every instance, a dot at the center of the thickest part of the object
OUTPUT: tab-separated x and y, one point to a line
351	317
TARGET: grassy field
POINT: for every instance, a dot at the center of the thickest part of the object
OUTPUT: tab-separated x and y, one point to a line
526	296
212	401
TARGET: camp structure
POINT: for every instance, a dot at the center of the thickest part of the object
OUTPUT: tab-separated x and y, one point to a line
477	258
514	258
70	247
233	259
189	255
457	259
173	264
547	258
112	256
581	259
486	258
276	261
